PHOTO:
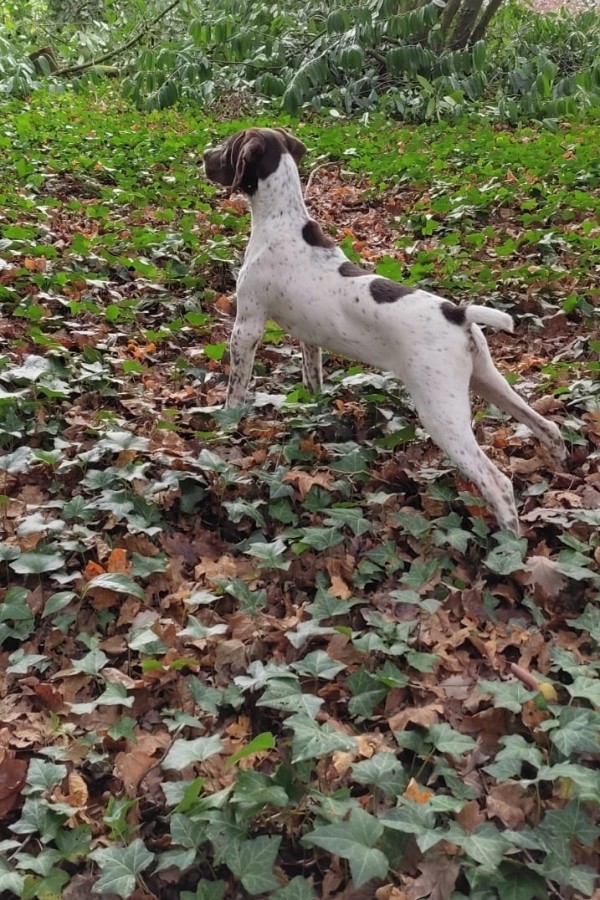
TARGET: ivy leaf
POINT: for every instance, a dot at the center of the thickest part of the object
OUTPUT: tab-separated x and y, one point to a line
297	889
587	688
508	556
18	462
573	822
258	790
352	518
507	694
57	602
178	859
206	890
578	731
486	845
20	662
237	509
10	881
113	695
321	538
367	692
285	694
51	885
445	739
117	441
318	665
119	867
37	818
37	562
252	862
509	760
183	753
143	566
582	878
185	832
410	818
92	663
585	781
589	621
353	840
382	771
43	775
270	555
120	584
312	741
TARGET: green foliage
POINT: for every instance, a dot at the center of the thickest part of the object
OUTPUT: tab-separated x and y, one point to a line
419	61
236	646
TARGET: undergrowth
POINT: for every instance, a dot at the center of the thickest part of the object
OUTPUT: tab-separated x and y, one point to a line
287	655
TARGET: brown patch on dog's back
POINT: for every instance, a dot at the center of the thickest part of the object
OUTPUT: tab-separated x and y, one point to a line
351	270
314	235
455	314
385	291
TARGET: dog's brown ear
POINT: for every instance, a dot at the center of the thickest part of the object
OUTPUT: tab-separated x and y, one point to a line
295	147
248	150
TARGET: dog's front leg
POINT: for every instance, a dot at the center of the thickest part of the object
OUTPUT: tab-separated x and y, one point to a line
312	372
245	336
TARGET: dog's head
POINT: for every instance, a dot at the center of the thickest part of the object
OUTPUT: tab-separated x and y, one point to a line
250	155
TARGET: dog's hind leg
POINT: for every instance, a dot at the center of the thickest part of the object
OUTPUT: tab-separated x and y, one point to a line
312	371
487	382
442	401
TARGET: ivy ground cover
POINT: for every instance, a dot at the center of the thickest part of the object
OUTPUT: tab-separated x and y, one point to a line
287	655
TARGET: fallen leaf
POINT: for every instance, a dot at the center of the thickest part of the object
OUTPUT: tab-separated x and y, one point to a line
13	772
419	715
117	561
436	881
509	803
77	795
541	572
304	480
417	793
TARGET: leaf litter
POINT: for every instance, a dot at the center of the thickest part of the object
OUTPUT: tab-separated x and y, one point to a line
286	655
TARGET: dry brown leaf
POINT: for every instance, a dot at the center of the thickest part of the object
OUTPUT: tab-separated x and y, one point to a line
541	572
436	881
225	567
240	729
470	817
117	561
417	793
13	773
131	765
509	803
77	791
425	716
116	676
341	761
231	655
389	892
92	569
304	480
339	588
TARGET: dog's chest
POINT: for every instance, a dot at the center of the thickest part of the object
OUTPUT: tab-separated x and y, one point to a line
301	288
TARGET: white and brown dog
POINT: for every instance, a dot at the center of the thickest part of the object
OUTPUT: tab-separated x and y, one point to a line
295	274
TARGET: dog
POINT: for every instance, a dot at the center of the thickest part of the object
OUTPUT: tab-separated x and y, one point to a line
295	274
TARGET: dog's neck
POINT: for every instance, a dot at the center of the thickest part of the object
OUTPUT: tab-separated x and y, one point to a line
278	199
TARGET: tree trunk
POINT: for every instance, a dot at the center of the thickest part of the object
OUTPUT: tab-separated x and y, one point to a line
448	15
486	17
465	24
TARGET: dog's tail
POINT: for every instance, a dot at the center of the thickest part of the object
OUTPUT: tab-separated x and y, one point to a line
483	315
